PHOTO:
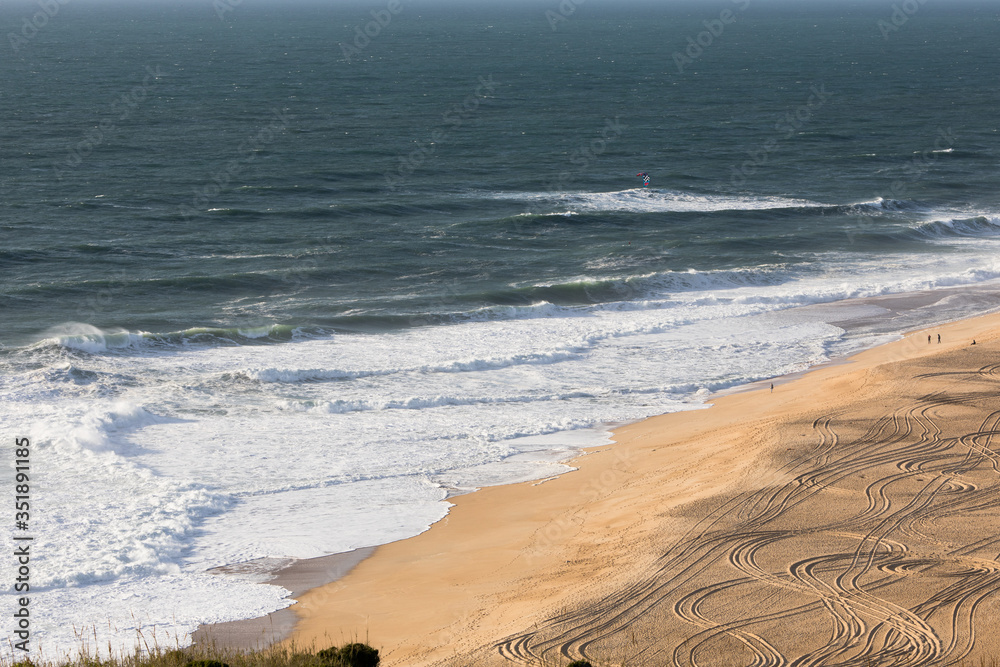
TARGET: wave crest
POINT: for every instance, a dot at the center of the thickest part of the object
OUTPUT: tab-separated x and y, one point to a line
649	200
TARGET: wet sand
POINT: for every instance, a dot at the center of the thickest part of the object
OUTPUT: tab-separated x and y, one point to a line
296	576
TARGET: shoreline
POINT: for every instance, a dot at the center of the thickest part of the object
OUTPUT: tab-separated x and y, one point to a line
307	576
514	561
296	576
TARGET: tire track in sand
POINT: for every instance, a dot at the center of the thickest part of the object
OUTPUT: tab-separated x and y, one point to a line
884	578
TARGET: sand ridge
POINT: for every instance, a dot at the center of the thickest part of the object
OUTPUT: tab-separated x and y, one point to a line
851	515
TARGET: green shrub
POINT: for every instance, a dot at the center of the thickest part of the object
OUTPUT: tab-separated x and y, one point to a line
205	663
350	655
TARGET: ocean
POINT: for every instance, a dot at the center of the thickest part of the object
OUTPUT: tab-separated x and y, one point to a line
280	279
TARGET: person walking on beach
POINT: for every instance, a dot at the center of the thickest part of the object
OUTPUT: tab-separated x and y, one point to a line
772	387
928	339
939	338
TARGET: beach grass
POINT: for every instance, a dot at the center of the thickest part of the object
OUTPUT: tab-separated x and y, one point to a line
280	655
353	654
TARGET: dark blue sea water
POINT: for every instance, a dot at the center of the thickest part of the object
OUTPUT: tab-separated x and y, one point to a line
253	176
273	286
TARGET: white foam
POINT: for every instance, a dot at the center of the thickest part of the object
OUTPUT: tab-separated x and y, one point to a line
652	200
160	462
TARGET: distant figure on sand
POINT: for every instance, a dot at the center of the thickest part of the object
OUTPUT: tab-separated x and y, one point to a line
939	338
973	341
928	339
772	387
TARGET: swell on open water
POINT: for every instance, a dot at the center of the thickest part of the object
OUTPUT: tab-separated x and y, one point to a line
272	289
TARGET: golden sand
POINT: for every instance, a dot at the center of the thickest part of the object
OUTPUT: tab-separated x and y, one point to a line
852	514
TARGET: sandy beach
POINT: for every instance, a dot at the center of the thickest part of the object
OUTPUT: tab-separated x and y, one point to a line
851	514
337	321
